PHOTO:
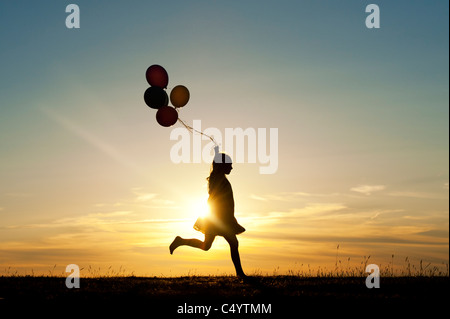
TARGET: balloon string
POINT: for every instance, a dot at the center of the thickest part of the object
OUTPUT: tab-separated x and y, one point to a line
191	129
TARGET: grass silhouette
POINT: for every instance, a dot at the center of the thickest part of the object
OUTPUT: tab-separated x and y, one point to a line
404	287
285	294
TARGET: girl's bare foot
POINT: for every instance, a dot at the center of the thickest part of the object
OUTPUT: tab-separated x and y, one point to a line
175	244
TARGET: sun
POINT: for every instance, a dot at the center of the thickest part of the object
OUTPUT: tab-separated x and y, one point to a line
199	207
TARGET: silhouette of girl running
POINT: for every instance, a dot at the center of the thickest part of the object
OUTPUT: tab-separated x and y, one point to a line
221	221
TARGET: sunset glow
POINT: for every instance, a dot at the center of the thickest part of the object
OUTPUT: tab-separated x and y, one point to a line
361	119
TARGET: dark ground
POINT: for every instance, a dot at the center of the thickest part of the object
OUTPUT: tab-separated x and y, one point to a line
287	296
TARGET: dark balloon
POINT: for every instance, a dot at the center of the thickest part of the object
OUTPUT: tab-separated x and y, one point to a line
167	116
157	76
156	97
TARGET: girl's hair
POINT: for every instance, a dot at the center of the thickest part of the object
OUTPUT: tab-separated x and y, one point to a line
221	160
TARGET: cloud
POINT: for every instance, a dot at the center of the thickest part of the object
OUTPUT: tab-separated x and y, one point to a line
321	209
105	221
145	197
293	196
18	194
440	233
311	211
368	189
152	199
255	197
345	239
139	199
89	220
421	195
164	203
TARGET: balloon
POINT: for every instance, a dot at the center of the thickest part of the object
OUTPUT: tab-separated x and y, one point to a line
179	96
167	116
156	97
157	76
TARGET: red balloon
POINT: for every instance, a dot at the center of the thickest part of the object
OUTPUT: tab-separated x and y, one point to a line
167	116
157	76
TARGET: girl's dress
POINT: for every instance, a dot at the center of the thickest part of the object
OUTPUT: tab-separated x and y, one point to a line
221	220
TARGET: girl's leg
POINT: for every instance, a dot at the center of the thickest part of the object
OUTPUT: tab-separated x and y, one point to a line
204	245
234	245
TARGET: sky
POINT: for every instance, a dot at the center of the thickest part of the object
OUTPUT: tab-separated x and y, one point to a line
86	174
